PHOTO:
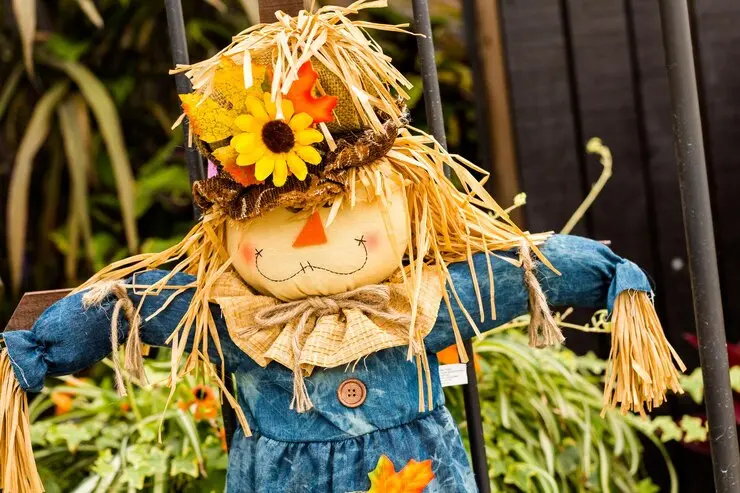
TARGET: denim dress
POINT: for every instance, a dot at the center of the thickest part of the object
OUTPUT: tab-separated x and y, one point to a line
333	447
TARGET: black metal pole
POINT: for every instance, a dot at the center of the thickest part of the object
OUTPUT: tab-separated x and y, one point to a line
193	160
697	216
435	119
179	45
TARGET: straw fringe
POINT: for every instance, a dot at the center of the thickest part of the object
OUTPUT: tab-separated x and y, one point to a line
641	363
133	359
18	473
543	329
202	254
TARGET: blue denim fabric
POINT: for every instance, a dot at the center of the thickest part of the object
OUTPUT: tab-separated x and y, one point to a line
332	448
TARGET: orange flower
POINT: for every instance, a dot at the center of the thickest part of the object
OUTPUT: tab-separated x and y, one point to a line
413	478
222	437
206	404
301	94
62	402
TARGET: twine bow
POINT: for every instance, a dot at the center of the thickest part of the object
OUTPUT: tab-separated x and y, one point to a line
373	301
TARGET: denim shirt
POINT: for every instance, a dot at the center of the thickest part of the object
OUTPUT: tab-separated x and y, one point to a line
332	448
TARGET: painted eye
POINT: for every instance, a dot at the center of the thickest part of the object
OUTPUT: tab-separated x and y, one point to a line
294	210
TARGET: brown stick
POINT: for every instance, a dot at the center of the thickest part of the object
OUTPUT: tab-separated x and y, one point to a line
31	306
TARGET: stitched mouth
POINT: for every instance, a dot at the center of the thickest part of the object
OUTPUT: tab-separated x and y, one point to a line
308	267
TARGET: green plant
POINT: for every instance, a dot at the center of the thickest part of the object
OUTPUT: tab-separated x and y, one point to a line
541	419
88	439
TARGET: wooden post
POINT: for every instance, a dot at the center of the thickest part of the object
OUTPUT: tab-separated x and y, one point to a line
497	147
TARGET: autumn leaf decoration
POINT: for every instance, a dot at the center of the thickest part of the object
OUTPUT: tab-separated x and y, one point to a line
301	94
413	478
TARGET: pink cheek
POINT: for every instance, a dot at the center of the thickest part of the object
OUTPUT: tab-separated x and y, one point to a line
247	252
372	241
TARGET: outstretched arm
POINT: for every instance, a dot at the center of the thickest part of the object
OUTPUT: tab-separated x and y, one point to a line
591	276
69	337
641	360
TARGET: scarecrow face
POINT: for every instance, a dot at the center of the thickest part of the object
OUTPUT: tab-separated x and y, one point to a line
292	254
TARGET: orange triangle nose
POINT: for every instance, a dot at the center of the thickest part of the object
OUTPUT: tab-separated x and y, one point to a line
312	233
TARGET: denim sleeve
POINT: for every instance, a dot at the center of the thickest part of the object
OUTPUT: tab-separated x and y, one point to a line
68	338
591	276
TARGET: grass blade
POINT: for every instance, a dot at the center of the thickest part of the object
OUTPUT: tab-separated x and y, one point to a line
20	181
10	84
106	116
75	133
91	12
25	17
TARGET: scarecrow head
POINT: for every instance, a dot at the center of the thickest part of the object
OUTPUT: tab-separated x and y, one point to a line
323	185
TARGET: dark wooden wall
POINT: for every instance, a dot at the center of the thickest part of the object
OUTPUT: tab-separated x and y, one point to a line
595	68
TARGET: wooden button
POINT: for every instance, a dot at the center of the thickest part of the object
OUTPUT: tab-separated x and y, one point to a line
352	393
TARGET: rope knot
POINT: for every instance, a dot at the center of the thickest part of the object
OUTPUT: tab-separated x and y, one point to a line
133	359
373	301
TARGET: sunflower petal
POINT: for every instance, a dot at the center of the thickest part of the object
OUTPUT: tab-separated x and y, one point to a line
252	156
308	154
300	121
243	142
309	136
269	105
264	167
257	108
297	166
288	109
281	172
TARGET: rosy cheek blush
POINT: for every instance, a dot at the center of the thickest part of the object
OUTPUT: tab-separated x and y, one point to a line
372	241
247	251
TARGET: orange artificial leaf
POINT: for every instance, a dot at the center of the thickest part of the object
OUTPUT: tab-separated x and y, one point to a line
312	233
413	478
301	94
244	175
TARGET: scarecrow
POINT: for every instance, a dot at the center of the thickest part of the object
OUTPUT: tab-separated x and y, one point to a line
333	259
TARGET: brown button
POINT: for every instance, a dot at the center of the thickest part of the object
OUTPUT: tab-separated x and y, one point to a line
352	393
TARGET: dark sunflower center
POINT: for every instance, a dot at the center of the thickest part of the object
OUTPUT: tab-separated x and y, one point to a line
278	136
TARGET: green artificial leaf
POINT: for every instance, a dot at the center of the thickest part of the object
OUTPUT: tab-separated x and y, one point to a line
694	428
185	465
666	429
694	385
69	434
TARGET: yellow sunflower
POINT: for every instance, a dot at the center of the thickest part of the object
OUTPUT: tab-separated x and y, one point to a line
275	145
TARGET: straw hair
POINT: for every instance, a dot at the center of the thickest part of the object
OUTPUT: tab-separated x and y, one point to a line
337	45
18	473
641	367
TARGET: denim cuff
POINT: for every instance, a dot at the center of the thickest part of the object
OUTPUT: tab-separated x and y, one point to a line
27	358
627	275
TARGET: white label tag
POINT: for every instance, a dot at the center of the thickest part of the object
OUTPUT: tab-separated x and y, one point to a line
455	374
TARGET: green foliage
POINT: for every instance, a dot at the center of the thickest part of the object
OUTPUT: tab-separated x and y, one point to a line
87	437
541	419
